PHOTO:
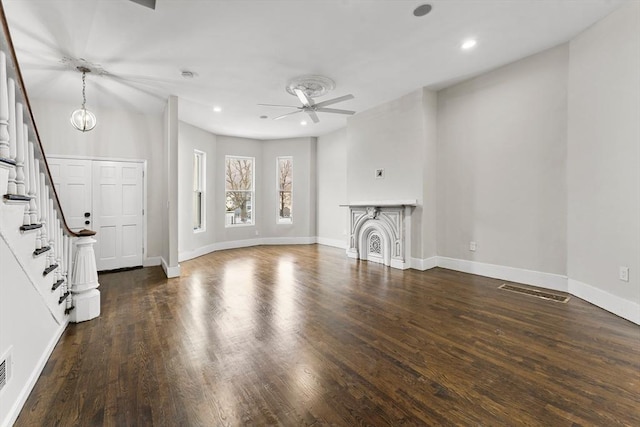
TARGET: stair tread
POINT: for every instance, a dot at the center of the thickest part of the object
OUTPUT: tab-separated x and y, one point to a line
30	227
16	198
41	250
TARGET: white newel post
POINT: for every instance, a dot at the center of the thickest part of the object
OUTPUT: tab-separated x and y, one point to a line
84	280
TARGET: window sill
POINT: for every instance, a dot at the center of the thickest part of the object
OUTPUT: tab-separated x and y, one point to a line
238	225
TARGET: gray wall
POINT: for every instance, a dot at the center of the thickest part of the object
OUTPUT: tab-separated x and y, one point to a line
265	229
392	137
192	138
231	146
333	221
303	151
502	165
604	154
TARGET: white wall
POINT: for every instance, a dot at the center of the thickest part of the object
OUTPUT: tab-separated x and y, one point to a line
502	164
118	134
604	159
27	328
333	220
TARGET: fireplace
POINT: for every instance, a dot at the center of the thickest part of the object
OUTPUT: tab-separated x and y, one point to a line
381	232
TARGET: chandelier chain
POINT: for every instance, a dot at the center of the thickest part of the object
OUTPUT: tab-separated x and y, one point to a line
84	98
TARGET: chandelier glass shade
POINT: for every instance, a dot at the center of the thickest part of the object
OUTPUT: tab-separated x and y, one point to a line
83	119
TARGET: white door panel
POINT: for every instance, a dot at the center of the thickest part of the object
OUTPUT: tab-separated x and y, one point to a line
117	203
111	194
72	179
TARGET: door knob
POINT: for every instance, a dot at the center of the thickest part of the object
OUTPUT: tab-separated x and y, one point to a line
87	222
87	214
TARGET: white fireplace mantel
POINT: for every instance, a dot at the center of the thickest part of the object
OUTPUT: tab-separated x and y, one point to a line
382	203
380	231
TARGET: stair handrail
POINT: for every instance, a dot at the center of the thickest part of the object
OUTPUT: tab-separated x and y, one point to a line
13	70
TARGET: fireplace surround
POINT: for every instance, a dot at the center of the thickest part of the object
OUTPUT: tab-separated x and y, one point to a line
380	231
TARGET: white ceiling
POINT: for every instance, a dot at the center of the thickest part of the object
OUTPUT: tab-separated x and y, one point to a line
244	52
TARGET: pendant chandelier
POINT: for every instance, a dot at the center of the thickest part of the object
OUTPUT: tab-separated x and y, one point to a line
83	119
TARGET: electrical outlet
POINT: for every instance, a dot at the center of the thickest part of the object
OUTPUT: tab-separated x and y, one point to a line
473	246
624	274
257	233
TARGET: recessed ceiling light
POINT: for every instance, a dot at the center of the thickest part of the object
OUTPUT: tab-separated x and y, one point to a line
264	117
422	10
217	109
468	44
303	123
188	74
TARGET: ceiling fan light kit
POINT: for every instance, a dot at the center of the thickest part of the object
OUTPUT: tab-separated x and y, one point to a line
83	119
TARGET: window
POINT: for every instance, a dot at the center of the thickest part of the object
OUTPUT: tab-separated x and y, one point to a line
199	167
285	183
239	193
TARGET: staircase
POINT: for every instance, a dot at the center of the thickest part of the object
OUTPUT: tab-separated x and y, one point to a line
48	275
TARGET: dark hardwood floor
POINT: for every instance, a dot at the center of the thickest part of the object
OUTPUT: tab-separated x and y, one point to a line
302	335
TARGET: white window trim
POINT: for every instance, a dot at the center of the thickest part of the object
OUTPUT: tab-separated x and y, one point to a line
279	220
253	192
203	191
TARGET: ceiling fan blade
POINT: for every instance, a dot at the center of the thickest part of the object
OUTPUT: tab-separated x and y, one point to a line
285	115
306	101
148	3
334	100
334	110
279	105
313	116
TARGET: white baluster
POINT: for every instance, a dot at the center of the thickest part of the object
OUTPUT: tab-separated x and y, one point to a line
20	188
36	201
11	185
52	232
33	207
58	250
27	174
44	195
66	262
5	151
65	258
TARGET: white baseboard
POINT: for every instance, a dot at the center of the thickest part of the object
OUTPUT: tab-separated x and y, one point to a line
152	261
12	416
340	244
288	241
626	309
423	264
170	272
551	281
235	244
619	306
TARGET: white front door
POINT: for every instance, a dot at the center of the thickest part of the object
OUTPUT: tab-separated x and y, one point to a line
117	219
72	179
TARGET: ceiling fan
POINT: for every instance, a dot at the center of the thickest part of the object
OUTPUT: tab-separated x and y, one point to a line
311	108
306	88
148	3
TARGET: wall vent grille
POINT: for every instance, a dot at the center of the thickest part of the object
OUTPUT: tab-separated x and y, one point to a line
535	292
5	369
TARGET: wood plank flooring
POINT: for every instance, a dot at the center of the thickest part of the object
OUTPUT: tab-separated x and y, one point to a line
302	335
